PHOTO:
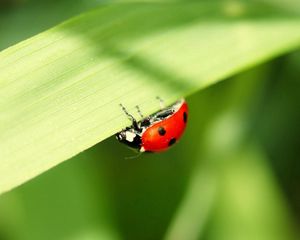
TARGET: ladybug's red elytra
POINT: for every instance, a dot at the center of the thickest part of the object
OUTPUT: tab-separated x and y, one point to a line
158	131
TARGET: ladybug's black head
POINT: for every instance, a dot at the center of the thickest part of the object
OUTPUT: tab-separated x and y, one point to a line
131	139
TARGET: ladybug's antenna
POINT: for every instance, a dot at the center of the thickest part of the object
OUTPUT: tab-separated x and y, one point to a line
130	117
139	111
161	102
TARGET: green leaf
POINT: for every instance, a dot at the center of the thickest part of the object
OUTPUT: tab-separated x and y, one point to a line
60	90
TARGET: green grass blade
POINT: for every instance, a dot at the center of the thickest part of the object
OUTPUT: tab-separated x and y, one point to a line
60	90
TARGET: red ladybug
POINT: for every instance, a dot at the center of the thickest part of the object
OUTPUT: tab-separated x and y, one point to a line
158	131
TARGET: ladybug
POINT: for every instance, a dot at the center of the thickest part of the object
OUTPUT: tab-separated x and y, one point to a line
158	131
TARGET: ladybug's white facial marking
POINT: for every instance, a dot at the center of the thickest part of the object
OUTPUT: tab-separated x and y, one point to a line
130	136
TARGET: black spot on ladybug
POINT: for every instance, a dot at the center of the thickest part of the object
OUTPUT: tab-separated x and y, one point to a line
161	131
172	141
185	117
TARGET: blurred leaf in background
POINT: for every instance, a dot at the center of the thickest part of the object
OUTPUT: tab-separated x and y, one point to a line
21	19
234	175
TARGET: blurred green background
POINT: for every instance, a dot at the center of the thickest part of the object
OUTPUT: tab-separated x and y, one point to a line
234	175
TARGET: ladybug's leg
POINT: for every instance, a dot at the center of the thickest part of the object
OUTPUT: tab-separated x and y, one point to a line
139	111
146	121
161	102
131	118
